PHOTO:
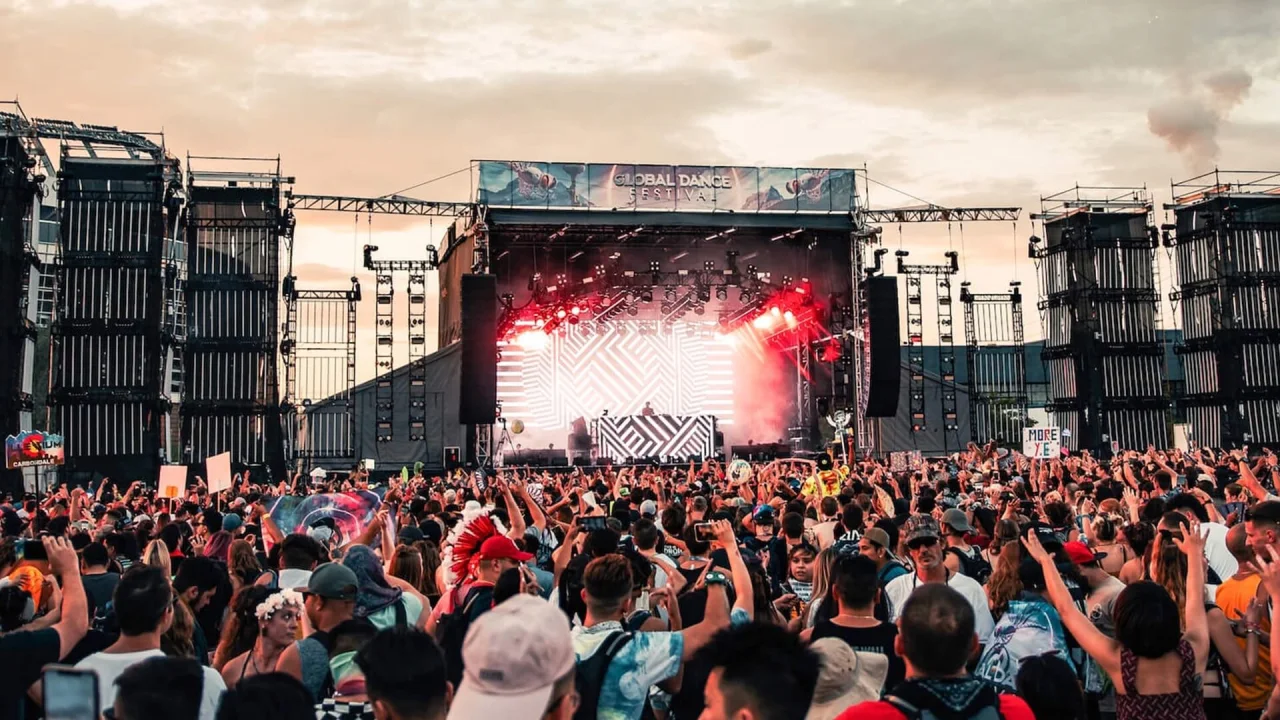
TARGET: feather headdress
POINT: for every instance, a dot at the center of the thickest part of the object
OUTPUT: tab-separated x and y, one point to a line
465	540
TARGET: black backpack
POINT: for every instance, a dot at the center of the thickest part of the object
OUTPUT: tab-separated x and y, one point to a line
451	631
591	673
973	565
911	712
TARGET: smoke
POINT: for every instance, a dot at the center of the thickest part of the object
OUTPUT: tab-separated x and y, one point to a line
1189	124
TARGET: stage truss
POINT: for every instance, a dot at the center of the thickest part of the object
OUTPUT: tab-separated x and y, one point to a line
915	277
320	374
997	365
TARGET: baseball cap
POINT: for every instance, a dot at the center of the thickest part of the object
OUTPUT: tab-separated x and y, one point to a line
333	581
500	547
1080	554
512	657
624	491
763	515
956	520
920	527
231	522
410	535
877	536
649	507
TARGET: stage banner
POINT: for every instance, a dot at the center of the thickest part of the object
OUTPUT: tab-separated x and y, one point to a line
348	514
173	481
33	449
691	188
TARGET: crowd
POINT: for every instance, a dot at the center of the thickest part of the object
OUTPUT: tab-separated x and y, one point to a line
981	585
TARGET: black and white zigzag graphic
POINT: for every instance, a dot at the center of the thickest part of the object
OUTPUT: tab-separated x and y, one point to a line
639	436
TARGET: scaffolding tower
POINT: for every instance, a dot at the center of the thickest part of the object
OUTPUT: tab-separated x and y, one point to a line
1098	303
995	355
942	275
237	230
109	338
1226	236
320	375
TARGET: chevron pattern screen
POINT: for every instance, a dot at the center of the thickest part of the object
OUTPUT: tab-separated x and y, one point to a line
680	370
667	436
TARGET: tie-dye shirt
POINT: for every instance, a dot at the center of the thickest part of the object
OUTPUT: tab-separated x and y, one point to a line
648	659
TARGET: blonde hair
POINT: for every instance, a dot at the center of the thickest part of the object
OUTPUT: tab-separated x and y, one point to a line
177	640
157	555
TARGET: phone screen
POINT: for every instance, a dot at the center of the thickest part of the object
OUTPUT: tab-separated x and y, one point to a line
70	694
704	531
33	550
593	523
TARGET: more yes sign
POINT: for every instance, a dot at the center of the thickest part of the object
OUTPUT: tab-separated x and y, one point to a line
1042	442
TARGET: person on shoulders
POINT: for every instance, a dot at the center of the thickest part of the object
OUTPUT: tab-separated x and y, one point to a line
936	639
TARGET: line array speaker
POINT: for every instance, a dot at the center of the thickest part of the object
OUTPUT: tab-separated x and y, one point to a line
886	374
478	391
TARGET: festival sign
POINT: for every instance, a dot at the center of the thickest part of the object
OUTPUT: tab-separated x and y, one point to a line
173	481
1043	443
665	187
219	469
33	449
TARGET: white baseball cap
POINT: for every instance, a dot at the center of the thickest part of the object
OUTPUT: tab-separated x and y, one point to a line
513	656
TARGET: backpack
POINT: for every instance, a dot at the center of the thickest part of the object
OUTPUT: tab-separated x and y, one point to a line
591	673
911	712
972	565
451	630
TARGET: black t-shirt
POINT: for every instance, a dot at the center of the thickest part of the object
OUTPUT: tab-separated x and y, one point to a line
23	655
878	639
98	589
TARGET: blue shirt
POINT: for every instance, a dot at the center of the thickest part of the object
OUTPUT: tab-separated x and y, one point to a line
648	659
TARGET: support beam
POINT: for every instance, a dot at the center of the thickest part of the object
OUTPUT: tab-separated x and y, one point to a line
394	205
934	213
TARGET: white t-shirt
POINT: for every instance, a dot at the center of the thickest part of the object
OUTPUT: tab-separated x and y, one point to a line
292	578
1215	548
900	588
110	666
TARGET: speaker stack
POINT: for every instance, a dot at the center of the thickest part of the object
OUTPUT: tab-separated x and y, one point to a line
886	374
478	391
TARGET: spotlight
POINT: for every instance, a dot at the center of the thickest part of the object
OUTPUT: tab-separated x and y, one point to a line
744	297
633	310
699	309
532	340
576	310
646	296
670	294
667	308
722	294
704	294
561	313
775	311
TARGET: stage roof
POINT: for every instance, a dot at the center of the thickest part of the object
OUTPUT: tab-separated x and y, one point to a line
603	221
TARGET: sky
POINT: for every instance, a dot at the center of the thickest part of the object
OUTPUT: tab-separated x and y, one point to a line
958	102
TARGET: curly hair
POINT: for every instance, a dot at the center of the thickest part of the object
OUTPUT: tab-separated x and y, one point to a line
1005	583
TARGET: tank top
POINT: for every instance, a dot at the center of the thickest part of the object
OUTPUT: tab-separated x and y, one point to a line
1185	704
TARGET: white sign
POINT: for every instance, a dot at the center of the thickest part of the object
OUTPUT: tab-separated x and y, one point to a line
1044	443
219	468
173	481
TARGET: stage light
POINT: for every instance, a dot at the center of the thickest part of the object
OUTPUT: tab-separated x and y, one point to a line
704	294
646	296
633	310
699	309
667	308
775	311
576	310
670	294
532	340
790	317
573	319
722	294
764	322
560	313
744	297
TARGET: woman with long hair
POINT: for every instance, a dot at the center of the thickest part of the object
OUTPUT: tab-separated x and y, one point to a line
431	561
240	629
1005	583
218	547
822	604
1138	536
1105	536
275	622
1169	569
243	567
178	640
157	555
1157	655
406	564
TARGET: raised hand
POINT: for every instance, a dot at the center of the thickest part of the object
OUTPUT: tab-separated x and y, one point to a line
1035	549
1192	542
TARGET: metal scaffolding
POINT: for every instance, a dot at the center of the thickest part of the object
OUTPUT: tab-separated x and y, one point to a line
1226	236
942	275
109	334
320	378
1099	297
237	231
995	355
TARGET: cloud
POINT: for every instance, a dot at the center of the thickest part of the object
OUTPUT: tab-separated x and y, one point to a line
1189	124
749	48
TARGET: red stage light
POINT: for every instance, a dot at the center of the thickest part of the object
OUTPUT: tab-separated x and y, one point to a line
776	312
576	310
532	340
560	313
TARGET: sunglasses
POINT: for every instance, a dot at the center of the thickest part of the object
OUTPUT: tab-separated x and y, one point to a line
922	543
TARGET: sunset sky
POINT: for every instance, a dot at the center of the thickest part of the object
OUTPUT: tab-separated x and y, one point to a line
991	102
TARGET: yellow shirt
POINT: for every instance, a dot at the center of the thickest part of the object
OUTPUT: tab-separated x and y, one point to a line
1233	597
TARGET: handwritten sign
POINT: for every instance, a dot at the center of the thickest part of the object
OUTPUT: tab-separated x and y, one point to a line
1044	443
219	467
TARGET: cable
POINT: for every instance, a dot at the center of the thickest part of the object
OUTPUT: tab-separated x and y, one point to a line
900	192
428	182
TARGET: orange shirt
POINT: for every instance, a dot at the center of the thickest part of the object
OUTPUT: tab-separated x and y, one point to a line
1233	597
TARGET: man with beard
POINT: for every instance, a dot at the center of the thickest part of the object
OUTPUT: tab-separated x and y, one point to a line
924	543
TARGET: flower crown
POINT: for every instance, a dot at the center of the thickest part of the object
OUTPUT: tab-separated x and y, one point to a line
276	601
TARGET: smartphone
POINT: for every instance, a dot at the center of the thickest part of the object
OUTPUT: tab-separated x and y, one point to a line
33	550
70	693
593	523
703	531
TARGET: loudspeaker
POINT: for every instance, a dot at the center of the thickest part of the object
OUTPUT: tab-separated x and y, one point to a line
478	391
886	373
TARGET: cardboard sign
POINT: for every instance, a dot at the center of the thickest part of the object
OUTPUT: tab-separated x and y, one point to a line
173	481
1044	443
219	468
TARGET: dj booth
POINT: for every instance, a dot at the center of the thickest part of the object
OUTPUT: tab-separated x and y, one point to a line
619	437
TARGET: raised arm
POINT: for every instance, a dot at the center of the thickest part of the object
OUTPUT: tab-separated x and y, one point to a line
1101	648
1192	545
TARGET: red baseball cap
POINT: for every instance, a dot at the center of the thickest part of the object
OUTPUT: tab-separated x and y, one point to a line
500	547
1080	553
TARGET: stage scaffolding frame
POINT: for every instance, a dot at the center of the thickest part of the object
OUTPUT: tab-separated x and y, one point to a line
1226	237
995	355
942	275
239	232
1099	290
320	378
111	327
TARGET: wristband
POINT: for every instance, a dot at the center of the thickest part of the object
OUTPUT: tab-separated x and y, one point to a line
716	578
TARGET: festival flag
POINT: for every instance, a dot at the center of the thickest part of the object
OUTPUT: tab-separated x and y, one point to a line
349	512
